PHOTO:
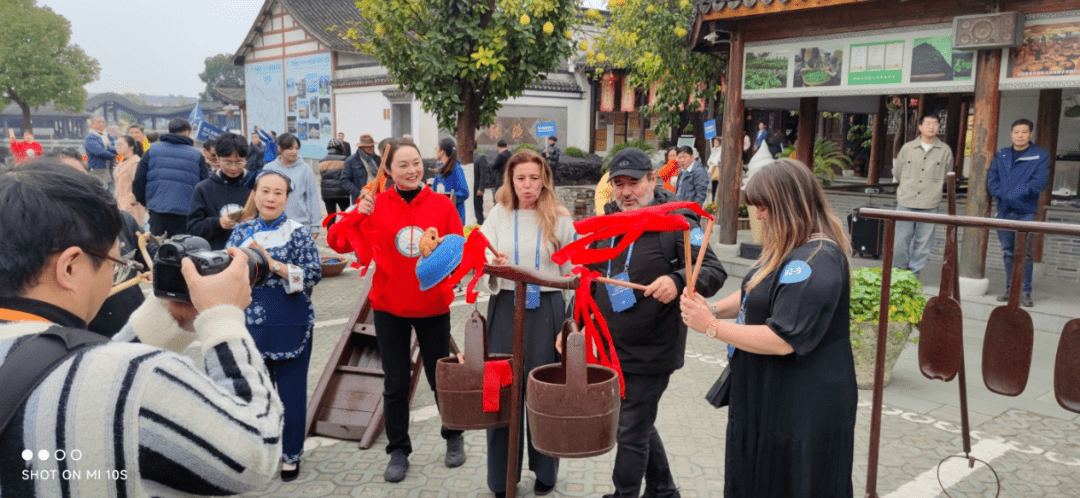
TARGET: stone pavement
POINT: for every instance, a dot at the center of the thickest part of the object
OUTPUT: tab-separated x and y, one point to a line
1033	445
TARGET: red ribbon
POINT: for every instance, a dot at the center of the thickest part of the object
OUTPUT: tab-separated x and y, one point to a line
629	224
472	258
595	327
497	374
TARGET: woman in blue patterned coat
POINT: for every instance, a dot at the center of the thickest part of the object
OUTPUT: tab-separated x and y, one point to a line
280	317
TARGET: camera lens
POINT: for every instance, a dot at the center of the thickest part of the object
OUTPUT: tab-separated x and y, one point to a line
258	266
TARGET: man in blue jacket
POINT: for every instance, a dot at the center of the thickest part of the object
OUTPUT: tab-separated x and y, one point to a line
100	153
1016	179
166	176
693	183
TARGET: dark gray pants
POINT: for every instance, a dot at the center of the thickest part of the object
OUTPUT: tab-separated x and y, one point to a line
641	453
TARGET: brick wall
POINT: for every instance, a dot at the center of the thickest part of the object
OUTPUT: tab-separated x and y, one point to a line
1061	254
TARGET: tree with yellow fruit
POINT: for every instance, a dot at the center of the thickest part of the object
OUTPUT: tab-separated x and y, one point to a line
462	58
648	39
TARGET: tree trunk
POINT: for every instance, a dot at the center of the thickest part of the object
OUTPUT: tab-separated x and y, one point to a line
28	124
467	124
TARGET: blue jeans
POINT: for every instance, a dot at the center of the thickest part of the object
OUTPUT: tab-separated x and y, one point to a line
911	248
1008	246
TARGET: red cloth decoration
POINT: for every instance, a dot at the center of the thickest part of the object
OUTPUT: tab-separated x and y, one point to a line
473	258
629	224
497	374
595	327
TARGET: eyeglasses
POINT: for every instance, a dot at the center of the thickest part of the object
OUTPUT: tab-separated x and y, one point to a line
232	164
122	267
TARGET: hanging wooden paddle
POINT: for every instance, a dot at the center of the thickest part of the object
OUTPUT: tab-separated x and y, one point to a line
1010	336
941	334
1067	367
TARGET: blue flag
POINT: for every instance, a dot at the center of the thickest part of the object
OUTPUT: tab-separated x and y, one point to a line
196	117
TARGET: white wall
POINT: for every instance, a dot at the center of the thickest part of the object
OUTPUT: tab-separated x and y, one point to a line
1025	104
360	111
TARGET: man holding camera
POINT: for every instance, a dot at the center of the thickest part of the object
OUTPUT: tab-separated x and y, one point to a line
130	416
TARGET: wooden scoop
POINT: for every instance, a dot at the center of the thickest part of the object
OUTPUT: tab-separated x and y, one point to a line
941	335
1067	367
1010	336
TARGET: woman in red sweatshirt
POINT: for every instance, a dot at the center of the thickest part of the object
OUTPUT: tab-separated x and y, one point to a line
398	218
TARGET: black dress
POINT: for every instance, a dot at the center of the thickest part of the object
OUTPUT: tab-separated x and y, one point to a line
791	424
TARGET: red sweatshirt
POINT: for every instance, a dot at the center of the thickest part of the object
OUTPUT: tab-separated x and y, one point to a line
20	148
396	227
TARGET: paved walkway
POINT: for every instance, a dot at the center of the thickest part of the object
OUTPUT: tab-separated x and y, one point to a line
1032	444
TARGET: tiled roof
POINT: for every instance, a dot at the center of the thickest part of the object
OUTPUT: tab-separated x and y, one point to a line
131	107
322	18
706	6
229	95
382	79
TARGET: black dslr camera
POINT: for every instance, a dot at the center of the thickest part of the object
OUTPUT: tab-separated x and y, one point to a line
169	282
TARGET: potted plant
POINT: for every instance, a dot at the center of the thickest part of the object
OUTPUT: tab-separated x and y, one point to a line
906	303
828	159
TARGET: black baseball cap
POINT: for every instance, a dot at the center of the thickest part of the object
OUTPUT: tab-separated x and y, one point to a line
501	143
632	162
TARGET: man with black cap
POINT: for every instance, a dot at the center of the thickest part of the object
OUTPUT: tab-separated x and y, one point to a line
360	167
649	335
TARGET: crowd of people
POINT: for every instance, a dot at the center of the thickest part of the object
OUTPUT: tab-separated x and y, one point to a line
239	418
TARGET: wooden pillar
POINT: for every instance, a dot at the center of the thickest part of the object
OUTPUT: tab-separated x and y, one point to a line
877	142
961	140
923	108
952	125
727	206
983	148
808	116
1046	136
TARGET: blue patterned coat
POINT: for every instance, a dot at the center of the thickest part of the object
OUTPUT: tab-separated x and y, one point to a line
280	316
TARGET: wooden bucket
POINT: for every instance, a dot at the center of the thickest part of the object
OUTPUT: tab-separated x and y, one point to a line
460	386
573	406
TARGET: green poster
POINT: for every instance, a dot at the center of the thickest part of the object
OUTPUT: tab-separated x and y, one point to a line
876	63
933	59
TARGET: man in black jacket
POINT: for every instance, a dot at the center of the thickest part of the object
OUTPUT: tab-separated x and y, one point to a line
256	150
480	179
500	164
649	335
217	201
360	167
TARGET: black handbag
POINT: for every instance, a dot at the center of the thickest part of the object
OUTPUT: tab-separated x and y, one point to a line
720	394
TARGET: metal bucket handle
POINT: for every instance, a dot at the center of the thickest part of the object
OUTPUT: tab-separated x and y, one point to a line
573	359
476	343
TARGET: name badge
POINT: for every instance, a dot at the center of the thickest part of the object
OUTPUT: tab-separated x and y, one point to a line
532	296
622	298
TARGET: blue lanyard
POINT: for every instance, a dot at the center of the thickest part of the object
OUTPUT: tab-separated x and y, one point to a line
538	234
629	252
740	320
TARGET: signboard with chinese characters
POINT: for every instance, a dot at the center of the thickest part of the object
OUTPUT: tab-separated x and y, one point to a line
916	59
1049	57
710	129
546	129
628	96
607	92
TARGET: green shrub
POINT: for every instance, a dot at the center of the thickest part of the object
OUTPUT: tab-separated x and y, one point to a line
906	300
826	156
575	152
639	143
525	146
743	211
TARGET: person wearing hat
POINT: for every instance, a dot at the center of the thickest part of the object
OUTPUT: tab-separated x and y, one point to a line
646	326
334	195
360	167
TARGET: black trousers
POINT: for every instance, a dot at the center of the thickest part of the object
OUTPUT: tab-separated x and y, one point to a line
640	452
172	224
478	204
334	205
394	336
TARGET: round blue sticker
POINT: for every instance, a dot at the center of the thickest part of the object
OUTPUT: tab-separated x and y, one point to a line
795	271
696	237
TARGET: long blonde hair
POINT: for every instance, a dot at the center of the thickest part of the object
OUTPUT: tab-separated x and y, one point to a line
797	209
548	207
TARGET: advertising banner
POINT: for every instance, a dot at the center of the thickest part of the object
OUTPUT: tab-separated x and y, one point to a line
900	60
1049	57
264	89
309	114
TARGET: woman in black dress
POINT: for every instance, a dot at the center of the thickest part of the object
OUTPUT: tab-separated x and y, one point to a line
791	420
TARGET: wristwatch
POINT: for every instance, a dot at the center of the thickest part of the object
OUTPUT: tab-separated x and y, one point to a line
277	266
710	331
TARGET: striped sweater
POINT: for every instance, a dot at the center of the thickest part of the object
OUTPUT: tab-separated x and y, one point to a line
132	418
